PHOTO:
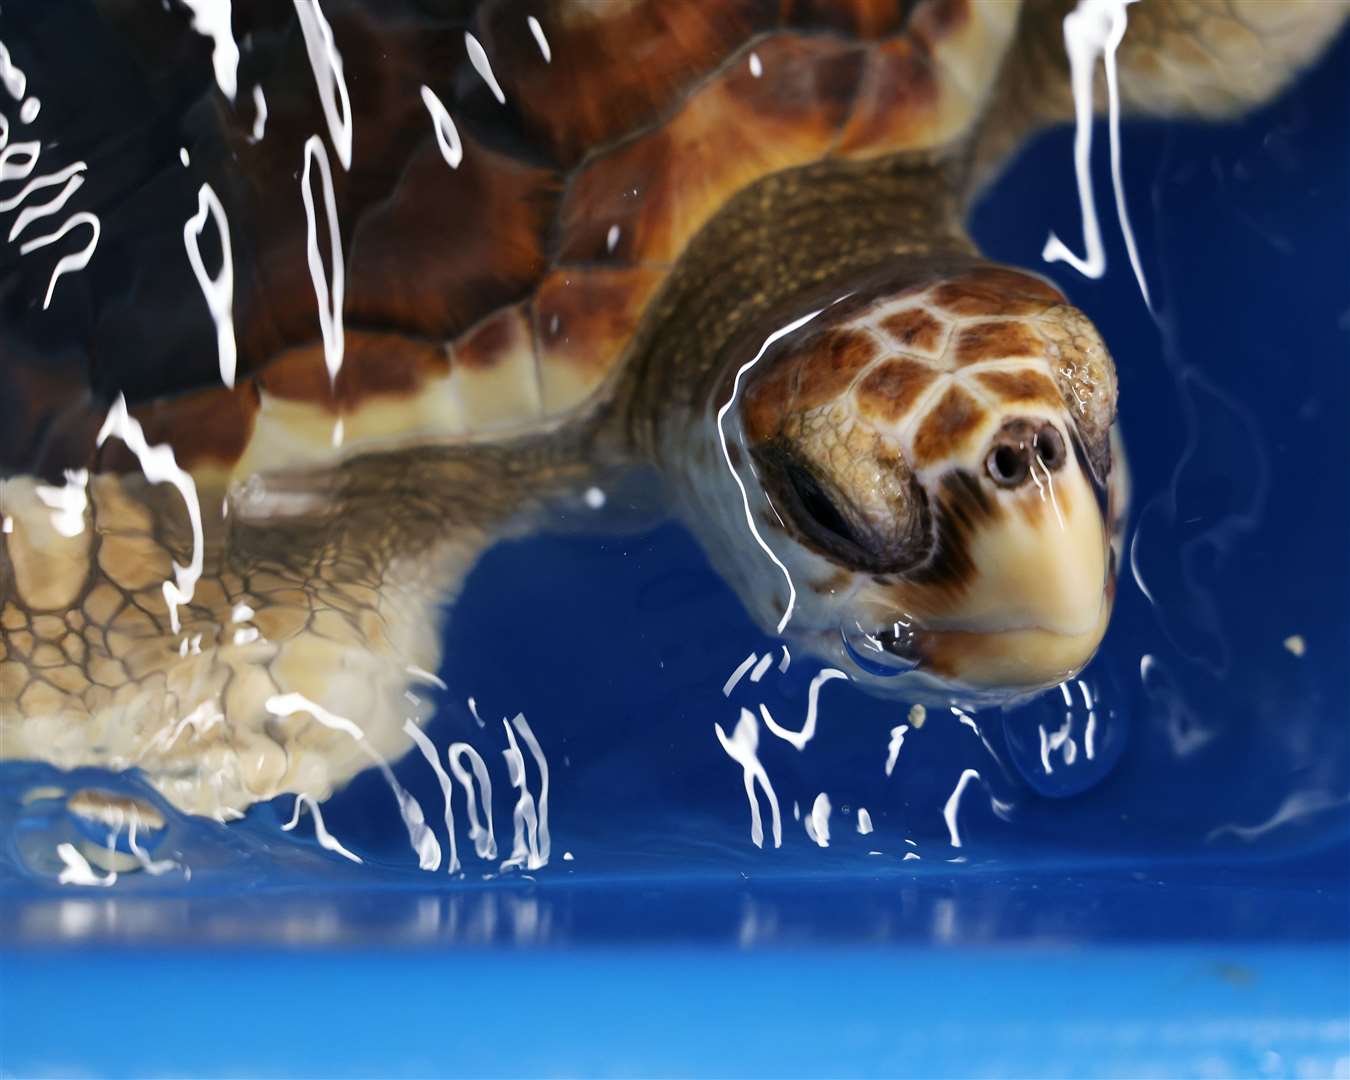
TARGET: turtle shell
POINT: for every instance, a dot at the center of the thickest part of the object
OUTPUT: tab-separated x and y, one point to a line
511	186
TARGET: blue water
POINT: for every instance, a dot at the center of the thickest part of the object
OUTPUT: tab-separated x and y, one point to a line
1140	913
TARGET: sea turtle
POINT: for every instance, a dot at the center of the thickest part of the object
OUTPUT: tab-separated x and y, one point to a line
722	239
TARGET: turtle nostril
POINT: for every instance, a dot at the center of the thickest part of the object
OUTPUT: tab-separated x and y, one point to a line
1050	447
1009	464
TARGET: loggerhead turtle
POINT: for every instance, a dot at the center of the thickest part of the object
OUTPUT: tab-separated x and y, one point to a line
722	238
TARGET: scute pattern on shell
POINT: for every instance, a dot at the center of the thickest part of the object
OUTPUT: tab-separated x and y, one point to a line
935	366
498	296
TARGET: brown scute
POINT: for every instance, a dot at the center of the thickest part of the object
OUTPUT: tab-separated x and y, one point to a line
889	392
998	341
995	291
830	363
866	19
945	430
374	364
897	100
662	186
495	338
204	428
768	398
259	181
1020	387
616	67
585	316
915	329
449	244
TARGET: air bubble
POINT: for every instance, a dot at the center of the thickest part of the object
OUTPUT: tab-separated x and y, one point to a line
880	650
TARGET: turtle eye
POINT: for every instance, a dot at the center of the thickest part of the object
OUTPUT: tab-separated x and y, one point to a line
818	513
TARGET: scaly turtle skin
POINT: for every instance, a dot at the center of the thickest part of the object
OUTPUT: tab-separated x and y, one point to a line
724	239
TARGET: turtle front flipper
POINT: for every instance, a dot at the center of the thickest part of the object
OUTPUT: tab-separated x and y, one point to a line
1206	59
287	666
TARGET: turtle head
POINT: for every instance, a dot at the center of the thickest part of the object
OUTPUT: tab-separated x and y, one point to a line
930	470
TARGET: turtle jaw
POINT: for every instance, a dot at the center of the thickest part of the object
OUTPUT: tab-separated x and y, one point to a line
1018	594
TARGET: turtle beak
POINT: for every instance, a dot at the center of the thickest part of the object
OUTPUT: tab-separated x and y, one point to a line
1031	587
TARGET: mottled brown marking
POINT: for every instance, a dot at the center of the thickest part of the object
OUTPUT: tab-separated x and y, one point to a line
889	392
998	341
615	67
896	103
1021	386
830	363
660	188
915	329
374	364
945	430
962	506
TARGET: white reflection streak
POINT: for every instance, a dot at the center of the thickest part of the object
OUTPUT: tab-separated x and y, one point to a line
259	113
743	748
761	668
76	260
14	79
70	174
541	763
726	454
799	739
77	870
211	18
484	841
1095	28
422	839
738	674
153	867
36	184
326	62
530	841
218	291
425	745
425	676
479	59
818	821
954	804
158	464
539	39
330	302
326	840
447	135
864	821
893	748
287	704
67	503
